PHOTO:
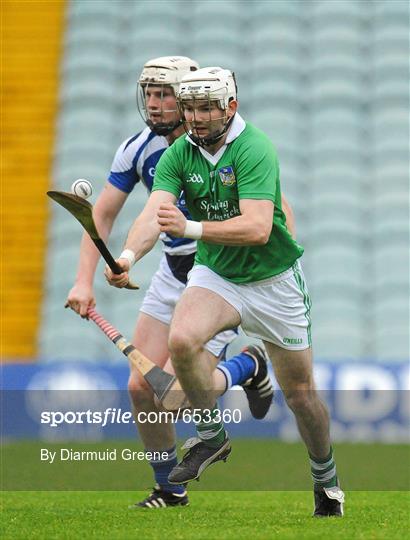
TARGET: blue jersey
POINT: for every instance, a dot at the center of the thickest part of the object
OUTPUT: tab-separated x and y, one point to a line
135	161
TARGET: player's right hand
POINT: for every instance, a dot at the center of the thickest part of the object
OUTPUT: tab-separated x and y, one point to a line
118	280
80	298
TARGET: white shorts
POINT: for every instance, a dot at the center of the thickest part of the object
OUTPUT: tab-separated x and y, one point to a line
276	310
160	301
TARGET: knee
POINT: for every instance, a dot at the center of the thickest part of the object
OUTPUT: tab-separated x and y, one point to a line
140	392
183	347
300	399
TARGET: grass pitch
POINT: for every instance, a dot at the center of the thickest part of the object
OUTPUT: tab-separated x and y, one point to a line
220	514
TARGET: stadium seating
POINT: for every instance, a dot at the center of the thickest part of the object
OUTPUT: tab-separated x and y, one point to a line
156	15
338	327
31	34
83	12
388	12
391	332
168	40
98	59
327	81
91	90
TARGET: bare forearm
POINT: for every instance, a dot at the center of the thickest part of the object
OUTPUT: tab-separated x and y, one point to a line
105	211
89	257
142	236
146	230
89	254
252	227
237	231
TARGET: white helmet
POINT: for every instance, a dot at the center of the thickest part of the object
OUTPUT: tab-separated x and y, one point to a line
168	70
210	84
163	71
213	83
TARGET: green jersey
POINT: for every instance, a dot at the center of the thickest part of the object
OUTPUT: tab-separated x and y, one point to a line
246	168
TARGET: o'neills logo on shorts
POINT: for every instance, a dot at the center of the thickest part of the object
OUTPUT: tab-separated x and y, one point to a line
292	341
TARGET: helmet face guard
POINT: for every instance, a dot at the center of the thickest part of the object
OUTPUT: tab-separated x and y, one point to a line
164	73
192	127
205	88
162	127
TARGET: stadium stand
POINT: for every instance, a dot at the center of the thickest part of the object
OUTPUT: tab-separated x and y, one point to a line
328	82
30	55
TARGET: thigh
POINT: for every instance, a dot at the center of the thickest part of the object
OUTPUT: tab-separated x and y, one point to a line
163	294
152	328
201	313
151	338
293	369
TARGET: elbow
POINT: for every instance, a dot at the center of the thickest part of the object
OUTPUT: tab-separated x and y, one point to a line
262	236
265	232
264	240
104	216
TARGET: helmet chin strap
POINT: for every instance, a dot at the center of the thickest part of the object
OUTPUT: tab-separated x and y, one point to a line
212	138
163	129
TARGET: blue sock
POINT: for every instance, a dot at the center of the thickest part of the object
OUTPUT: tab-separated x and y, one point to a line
238	369
162	468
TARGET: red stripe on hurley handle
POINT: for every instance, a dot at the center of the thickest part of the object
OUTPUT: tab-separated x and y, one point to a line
105	326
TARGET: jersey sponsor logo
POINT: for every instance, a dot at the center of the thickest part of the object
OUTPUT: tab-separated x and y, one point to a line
227	176
195	178
292	341
217	210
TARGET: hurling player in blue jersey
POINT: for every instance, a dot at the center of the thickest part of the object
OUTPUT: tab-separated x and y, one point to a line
134	162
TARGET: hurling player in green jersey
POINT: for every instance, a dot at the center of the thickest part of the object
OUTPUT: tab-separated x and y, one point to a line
247	271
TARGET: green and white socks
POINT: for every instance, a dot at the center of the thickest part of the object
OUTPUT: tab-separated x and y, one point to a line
210	428
324	470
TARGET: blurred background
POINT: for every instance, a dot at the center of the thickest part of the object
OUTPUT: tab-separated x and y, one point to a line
327	80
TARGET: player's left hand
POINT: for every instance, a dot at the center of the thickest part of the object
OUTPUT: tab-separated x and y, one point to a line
171	220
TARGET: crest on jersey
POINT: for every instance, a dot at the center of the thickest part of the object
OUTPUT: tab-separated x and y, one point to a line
227	176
